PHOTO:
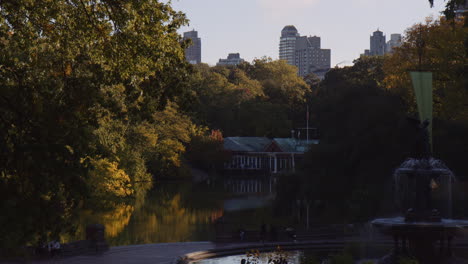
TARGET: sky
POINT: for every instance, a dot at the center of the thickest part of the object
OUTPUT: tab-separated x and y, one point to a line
253	27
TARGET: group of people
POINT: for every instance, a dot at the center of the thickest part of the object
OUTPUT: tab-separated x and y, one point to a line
52	248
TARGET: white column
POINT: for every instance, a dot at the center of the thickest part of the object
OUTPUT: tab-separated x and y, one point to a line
270	168
276	164
293	164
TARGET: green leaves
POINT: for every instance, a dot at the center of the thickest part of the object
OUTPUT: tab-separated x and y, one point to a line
450	7
444	54
76	77
264	98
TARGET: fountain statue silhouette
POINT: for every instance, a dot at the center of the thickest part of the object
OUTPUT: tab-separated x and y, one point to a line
424	224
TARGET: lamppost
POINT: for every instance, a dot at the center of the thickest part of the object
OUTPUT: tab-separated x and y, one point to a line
422	85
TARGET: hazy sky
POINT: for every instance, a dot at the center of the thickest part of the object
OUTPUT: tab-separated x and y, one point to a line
253	27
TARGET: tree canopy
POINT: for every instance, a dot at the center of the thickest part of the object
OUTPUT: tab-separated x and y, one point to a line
450	7
362	113
97	100
263	98
444	54
79	81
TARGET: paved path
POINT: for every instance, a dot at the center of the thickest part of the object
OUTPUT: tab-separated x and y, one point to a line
163	253
167	253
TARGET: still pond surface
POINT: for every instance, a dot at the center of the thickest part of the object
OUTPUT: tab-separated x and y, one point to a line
186	211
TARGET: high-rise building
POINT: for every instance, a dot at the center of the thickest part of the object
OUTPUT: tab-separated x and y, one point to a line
377	43
303	52
395	41
378	46
287	46
233	59
193	52
309	57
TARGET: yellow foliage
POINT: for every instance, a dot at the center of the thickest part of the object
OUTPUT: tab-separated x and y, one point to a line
107	180
172	150
143	136
173	130
171	124
437	46
68	69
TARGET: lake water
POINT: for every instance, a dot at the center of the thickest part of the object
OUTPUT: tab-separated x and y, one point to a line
289	256
186	211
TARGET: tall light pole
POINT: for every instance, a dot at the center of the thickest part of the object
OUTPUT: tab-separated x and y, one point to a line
422	85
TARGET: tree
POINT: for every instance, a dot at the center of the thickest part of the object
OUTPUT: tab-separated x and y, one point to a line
364	136
108	181
367	71
265	98
450	7
74	75
206	151
174	132
444	54
312	80
280	81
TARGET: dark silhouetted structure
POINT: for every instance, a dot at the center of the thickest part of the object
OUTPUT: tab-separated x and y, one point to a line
422	226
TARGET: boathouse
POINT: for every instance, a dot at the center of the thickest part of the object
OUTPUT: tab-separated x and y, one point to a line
277	155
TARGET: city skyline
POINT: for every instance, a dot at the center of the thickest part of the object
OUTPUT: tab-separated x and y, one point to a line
252	27
232	59
379	45
303	52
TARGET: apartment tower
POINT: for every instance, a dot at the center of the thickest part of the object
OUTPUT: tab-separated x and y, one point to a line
303	52
193	52
377	43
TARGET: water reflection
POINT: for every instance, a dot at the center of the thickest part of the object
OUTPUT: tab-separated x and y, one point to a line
252	185
167	221
115	220
263	258
178	211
